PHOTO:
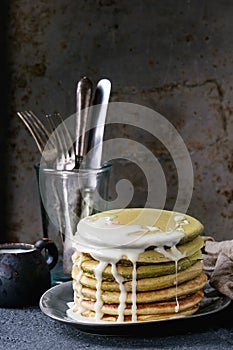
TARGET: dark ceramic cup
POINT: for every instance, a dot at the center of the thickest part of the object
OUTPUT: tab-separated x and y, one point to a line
25	272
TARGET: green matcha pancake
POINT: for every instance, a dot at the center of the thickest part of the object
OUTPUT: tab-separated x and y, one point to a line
137	264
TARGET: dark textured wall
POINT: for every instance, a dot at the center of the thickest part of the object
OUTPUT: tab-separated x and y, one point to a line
4	113
172	56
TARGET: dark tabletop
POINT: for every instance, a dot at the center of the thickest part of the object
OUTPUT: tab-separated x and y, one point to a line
29	328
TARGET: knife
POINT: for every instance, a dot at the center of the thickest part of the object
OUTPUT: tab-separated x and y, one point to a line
83	101
97	122
95	143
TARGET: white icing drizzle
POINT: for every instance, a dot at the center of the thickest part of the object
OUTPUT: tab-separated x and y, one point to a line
107	241
174	255
177	307
123	293
134	293
99	302
79	286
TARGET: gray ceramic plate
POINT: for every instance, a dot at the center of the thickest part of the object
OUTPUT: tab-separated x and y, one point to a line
53	303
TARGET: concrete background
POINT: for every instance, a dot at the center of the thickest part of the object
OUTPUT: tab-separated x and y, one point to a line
175	57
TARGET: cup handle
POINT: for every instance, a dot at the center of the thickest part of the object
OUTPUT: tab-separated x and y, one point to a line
52	252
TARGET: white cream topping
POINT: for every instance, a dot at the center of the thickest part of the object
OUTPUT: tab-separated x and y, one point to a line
106	233
108	241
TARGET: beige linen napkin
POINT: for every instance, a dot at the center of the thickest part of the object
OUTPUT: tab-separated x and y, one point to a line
218	264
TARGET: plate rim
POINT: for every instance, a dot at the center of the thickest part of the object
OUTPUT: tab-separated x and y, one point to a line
48	311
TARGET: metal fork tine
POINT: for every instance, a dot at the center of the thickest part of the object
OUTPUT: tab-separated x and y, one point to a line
53	129
63	140
41	135
68	142
62	135
38	123
55	135
35	131
42	130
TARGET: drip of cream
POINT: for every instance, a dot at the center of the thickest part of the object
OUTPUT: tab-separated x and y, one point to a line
123	293
134	294
174	255
107	241
99	302
78	287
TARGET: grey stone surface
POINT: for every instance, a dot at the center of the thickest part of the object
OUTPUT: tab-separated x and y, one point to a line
30	329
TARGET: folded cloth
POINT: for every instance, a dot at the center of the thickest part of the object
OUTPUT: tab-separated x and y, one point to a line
218	264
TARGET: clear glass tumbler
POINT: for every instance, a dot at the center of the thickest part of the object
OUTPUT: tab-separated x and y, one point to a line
66	197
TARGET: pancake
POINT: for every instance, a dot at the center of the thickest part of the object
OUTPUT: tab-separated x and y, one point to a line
137	265
140	318
187	249
181	290
167	307
143	271
144	284
152	256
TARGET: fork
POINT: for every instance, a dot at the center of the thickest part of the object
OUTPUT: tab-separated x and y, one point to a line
66	160
40	135
61	137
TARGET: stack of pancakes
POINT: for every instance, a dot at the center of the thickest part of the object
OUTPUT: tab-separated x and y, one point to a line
165	287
